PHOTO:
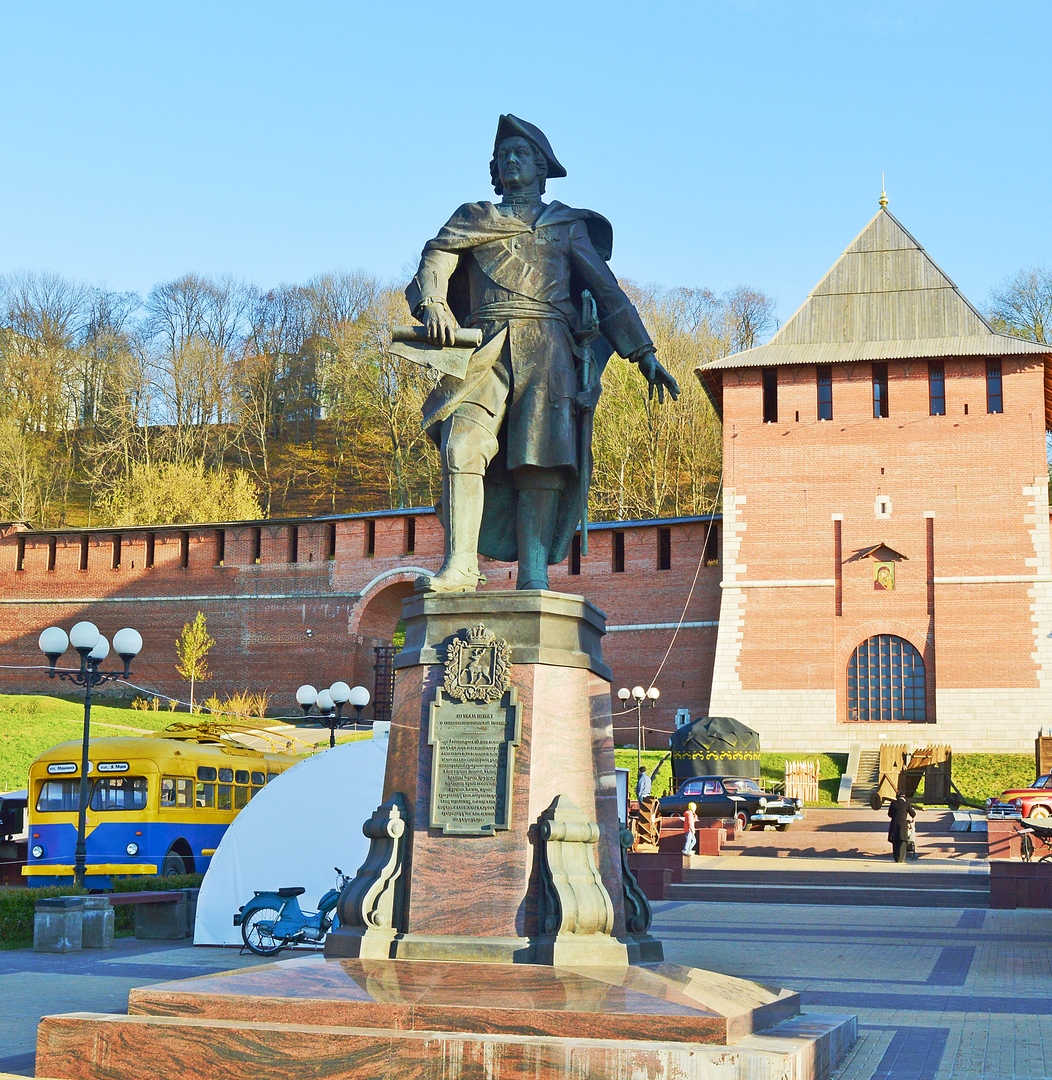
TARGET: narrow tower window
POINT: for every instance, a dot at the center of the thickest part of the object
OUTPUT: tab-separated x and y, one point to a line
617	555
115	562
184	549
257	545
664	539
712	546
220	547
410	535
151	547
84	552
294	543
994	398
52	552
825	392
331	553
770	395
370	538
880	391
936	389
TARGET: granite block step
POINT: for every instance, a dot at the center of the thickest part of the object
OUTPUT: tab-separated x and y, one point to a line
93	1046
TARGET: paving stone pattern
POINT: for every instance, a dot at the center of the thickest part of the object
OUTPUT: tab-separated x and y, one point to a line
940	993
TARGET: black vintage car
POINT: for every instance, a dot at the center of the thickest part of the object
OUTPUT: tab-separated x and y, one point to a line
734	797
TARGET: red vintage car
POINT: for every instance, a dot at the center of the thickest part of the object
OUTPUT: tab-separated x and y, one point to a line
1032	802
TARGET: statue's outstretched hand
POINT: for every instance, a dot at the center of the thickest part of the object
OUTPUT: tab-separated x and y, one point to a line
658	378
439	322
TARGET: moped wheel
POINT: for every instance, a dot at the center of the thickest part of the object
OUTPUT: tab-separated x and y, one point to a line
259	939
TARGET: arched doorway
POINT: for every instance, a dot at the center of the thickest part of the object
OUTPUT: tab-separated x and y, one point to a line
373	627
886	681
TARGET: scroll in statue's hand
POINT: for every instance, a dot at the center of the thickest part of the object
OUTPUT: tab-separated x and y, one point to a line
657	377
440	324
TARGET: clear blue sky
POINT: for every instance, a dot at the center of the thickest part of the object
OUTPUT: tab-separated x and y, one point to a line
729	142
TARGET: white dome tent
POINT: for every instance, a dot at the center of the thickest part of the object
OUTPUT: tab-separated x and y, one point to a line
302	824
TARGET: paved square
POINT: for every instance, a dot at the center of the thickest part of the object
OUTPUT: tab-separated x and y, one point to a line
940	993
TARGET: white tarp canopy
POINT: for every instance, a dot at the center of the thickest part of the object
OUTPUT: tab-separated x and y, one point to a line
302	824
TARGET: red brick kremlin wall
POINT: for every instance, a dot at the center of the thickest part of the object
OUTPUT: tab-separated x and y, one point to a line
967	511
307	600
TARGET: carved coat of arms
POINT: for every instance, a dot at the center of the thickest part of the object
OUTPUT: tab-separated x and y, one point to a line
478	666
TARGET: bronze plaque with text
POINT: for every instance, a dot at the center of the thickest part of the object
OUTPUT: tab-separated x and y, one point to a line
473	763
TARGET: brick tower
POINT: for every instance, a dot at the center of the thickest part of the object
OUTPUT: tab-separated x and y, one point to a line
886	562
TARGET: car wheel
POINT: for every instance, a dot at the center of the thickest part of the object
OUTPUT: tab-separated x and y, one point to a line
1039	812
173	866
741	822
782	826
259	938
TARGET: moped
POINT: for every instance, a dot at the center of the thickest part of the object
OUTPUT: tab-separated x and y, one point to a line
272	921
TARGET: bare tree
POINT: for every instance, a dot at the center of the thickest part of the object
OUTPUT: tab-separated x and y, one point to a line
1022	306
196	328
748	316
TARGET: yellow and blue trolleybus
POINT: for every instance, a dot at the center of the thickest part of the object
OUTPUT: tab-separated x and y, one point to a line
156	804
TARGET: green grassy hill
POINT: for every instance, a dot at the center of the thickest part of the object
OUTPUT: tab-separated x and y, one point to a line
32	723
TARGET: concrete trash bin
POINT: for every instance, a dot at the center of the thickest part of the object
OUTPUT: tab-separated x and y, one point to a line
98	923
58	924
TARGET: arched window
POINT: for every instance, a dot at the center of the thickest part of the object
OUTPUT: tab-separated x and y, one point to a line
885	681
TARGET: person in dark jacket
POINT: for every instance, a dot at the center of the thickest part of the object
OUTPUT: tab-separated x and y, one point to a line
900	811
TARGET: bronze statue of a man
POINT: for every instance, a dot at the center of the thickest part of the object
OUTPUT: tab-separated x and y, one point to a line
515	454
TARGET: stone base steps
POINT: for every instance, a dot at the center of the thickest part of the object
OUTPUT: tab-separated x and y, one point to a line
896	887
867	778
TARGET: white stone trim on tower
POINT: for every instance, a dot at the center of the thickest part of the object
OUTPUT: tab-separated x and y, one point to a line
1040	592
726	678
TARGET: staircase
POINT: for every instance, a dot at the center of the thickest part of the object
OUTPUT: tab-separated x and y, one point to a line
907	885
867	779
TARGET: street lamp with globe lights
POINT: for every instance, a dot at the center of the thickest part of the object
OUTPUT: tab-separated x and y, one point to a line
330	703
93	649
639	695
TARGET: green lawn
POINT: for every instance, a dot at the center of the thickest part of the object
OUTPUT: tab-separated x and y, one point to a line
32	723
980	776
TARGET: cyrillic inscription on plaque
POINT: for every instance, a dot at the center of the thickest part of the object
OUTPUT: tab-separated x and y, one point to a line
474	729
473	761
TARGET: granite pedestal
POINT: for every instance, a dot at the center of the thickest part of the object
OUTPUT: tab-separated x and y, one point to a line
494	930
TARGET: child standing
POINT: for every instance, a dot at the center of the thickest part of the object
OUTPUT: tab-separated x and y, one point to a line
690	824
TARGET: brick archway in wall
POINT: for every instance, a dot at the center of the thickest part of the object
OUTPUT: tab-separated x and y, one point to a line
922	638
375	617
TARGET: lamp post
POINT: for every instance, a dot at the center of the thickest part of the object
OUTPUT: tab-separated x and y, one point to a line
640	695
330	703
93	649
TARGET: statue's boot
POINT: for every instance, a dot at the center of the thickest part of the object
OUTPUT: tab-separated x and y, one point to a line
535	526
462	498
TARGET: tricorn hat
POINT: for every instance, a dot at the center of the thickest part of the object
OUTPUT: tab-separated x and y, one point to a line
509	125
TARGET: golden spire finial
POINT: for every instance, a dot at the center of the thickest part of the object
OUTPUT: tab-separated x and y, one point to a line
883	193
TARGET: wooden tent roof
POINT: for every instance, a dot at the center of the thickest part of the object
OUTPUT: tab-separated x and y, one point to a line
883	299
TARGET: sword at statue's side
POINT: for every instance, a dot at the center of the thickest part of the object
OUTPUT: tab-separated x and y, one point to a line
586	402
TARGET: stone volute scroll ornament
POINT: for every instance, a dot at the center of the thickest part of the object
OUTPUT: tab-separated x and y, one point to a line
475	726
370	906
